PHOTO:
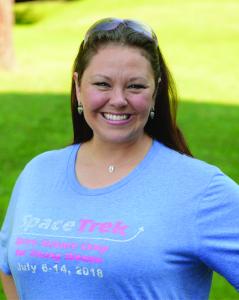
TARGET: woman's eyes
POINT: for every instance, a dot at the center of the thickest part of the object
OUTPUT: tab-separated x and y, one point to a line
133	86
102	84
136	86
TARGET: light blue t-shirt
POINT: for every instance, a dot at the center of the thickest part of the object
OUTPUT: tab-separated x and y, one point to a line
156	234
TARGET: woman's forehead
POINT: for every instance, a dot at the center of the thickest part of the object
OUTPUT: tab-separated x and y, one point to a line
119	61
115	55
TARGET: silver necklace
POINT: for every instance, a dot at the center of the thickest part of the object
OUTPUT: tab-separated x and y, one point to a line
111	168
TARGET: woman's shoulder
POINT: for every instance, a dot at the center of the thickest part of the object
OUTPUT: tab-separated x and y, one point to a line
180	165
192	173
50	160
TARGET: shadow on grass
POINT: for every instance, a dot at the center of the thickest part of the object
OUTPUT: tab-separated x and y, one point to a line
34	123
212	132
29	124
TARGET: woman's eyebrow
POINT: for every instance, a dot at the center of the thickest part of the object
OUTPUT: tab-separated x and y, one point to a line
137	78
102	76
130	79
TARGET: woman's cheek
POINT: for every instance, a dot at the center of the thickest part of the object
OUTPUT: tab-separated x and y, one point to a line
95	100
141	102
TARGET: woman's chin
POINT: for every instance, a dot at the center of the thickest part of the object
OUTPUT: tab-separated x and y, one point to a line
117	139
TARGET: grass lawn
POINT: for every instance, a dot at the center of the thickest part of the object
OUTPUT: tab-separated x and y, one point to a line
199	41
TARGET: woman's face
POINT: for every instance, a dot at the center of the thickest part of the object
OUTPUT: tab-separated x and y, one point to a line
116	91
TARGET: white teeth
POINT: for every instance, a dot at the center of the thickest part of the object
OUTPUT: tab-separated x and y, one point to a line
115	117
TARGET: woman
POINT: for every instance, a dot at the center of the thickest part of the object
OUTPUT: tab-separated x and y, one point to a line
125	212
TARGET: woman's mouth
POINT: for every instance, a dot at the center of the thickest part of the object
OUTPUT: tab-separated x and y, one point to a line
116	117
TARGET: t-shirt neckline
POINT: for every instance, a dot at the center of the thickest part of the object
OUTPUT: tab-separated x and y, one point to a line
79	188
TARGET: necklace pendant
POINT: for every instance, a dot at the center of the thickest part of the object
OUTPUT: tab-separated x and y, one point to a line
111	168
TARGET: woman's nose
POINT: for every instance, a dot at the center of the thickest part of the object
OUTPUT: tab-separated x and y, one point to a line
118	98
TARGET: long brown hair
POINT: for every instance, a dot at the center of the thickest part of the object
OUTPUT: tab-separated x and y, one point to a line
163	127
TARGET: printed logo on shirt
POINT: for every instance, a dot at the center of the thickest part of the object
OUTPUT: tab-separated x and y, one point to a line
66	242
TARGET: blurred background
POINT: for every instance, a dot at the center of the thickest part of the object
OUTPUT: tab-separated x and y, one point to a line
40	39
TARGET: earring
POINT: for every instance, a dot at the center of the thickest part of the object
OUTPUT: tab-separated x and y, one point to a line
80	109
152	113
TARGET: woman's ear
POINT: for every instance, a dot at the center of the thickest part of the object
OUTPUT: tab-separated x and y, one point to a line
77	86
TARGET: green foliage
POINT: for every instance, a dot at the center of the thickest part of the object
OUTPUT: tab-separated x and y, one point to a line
26	16
29	13
199	40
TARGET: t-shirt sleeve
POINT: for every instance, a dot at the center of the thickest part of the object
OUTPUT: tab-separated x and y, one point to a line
6	230
218	228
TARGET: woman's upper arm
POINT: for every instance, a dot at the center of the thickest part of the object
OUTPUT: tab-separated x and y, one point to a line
9	286
218	228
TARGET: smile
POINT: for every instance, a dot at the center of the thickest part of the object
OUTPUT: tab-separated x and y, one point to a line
116	117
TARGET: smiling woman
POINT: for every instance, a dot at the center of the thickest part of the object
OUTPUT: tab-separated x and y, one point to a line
124	212
116	93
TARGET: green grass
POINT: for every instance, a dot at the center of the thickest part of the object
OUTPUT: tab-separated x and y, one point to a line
199	40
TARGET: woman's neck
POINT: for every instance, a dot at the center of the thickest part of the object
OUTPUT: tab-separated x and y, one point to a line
102	164
117	153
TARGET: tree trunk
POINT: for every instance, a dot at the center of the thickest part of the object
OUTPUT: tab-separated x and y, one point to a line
7	58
